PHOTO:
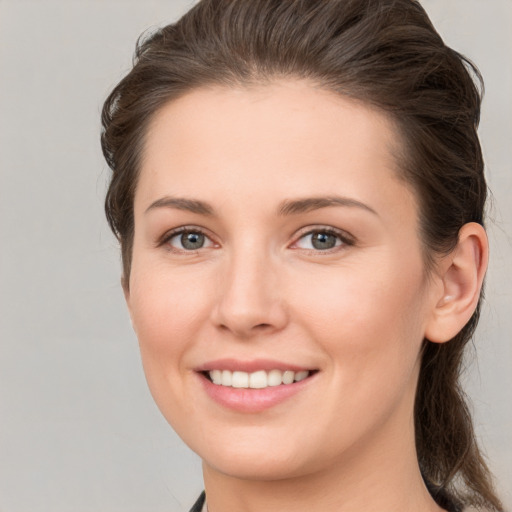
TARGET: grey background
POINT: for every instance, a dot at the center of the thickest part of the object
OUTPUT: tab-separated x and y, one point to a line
78	428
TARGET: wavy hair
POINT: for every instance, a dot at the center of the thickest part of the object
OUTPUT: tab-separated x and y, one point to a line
385	53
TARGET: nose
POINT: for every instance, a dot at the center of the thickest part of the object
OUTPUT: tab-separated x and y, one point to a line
250	301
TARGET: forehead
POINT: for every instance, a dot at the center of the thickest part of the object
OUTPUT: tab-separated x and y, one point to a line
287	110
276	139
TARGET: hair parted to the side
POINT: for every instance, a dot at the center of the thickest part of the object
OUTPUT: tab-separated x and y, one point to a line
387	54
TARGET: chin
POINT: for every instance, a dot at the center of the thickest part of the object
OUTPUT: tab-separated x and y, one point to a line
251	454
259	467
263	456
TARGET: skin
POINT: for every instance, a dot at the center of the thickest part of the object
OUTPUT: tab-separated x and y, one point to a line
357	313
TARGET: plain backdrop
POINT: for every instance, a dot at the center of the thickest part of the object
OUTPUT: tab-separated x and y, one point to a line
78	429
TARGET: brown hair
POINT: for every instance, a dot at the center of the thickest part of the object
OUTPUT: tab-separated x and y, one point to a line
385	53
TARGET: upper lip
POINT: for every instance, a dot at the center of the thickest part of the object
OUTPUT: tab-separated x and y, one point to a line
249	366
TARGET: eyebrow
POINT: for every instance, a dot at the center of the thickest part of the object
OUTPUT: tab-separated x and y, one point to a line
297	206
287	207
189	205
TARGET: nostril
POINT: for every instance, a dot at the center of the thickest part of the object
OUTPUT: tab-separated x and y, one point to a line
262	326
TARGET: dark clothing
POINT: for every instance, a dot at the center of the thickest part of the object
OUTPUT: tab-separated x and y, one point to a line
198	505
441	497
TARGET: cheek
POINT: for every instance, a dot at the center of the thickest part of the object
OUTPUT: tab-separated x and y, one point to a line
168	311
372	335
369	322
165	305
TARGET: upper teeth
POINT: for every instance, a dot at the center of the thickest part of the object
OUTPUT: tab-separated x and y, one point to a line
257	380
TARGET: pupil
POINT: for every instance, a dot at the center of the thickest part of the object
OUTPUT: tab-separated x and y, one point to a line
323	241
192	240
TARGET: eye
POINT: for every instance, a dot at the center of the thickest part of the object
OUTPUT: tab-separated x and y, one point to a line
322	240
188	240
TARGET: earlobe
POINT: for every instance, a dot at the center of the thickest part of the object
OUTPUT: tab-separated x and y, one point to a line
461	275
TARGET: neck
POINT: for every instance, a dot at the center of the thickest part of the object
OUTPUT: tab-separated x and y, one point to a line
381	475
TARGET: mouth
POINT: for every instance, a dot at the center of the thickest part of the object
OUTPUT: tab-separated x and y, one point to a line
254	386
260	379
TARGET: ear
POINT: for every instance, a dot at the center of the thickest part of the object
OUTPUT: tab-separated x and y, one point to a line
460	274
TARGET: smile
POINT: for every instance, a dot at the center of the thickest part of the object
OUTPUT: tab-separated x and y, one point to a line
254	386
260	379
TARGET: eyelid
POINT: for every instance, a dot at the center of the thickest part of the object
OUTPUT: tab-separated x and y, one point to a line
168	235
346	238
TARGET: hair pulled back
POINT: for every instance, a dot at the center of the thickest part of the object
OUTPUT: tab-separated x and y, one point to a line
387	54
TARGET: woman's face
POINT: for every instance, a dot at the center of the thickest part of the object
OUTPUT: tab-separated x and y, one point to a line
274	241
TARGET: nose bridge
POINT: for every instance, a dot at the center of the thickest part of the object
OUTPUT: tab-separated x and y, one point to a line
249	299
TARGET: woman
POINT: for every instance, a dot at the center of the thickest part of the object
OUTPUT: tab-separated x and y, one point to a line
298	192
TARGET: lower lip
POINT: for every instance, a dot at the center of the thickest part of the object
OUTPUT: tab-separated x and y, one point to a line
252	400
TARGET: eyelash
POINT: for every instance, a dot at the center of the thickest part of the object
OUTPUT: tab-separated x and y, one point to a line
180	231
345	239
